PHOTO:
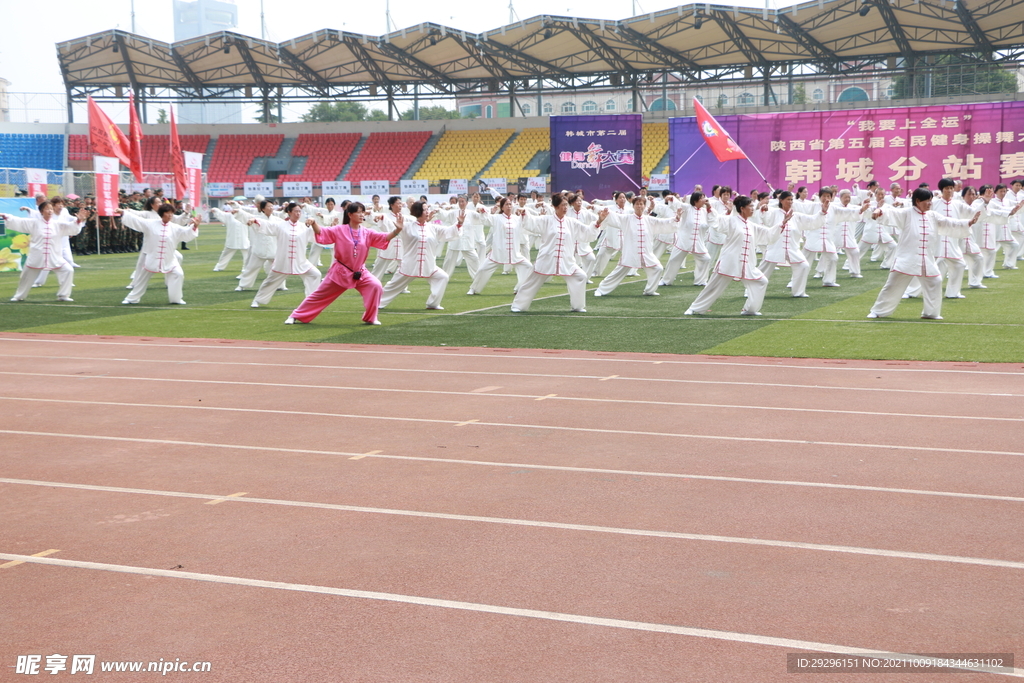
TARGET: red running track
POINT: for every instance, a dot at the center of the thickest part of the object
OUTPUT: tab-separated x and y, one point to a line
301	512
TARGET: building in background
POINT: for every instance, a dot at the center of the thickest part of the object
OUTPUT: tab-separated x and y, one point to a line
5	107
193	18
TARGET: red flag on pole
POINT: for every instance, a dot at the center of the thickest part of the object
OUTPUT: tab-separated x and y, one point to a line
724	147
135	138
178	162
105	138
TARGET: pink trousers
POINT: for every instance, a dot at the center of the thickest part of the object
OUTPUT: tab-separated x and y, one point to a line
333	286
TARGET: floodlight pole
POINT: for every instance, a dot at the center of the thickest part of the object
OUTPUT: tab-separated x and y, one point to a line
133	16
263	23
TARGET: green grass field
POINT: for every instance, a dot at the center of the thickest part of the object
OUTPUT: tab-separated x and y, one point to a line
987	326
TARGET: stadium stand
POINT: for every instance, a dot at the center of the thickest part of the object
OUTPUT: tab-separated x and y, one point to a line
22	150
326	154
234	154
655	137
156	150
78	148
462	154
386	156
512	162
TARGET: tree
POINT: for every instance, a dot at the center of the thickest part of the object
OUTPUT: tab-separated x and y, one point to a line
161	116
723	100
799	94
267	114
335	111
953	75
377	115
432	114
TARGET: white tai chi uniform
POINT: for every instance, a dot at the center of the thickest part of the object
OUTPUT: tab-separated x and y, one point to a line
986	235
736	262
465	247
292	242
844	221
506	237
585	256
162	238
689	239
419	247
638	237
556	256
140	263
915	257
45	252
236	238
785	251
609	240
65	246
262	249
387	259
951	258
874	234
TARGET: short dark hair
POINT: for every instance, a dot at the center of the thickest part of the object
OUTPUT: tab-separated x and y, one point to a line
353	207
921	194
741	202
944	183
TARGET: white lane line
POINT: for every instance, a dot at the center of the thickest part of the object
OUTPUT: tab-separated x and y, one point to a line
591	528
380	351
361	368
516	425
531	397
514	465
731	636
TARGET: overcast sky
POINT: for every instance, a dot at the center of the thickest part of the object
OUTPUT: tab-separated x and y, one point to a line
28	55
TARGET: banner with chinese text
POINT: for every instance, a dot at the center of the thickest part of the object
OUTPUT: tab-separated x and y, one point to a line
36	180
975	143
107	171
600	154
194	177
336	187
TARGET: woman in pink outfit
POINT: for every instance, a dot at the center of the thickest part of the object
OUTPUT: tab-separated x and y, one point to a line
352	243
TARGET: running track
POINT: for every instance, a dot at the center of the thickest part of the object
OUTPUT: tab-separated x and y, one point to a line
307	512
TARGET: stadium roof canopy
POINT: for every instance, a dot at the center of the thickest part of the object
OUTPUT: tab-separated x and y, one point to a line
701	42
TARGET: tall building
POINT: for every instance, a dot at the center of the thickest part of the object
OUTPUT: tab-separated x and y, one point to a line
5	107
193	18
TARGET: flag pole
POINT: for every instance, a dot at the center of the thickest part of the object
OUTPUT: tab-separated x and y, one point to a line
772	189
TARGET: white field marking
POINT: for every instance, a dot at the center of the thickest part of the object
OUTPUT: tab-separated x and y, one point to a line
588	528
702	317
15	563
730	636
323	349
515	465
509	304
228	497
477	422
824	387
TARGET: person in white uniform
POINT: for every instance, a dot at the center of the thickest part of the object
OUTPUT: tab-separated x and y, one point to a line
150	213
45	252
785	251
556	254
236	237
737	259
262	246
689	239
163	235
506	239
420	244
387	259
919	229
293	237
465	247
609	242
639	230
62	215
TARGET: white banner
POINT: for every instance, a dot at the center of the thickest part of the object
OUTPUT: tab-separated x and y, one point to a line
250	190
107	176
194	169
496	184
536	184
220	189
417	187
168	189
336	187
297	189
658	182
458	186
36	180
374	187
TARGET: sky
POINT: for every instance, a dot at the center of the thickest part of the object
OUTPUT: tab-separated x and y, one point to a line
28	54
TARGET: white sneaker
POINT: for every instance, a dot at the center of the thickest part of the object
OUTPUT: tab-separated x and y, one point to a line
872	315
435	308
254	305
374	322
651	294
289	320
931	317
64	298
750	312
577	310
514	309
239	289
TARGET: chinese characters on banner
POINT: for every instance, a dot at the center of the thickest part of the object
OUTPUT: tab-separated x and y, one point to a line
194	177
600	154
974	143
107	170
36	179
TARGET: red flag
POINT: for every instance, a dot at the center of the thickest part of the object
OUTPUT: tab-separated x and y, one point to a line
177	162
135	138
105	138
724	147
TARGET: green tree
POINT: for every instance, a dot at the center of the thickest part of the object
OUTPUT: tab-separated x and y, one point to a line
376	115
267	113
953	75
723	100
335	111
799	94
432	114
161	116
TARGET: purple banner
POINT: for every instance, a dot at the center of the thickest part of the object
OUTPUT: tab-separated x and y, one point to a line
976	143
600	154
